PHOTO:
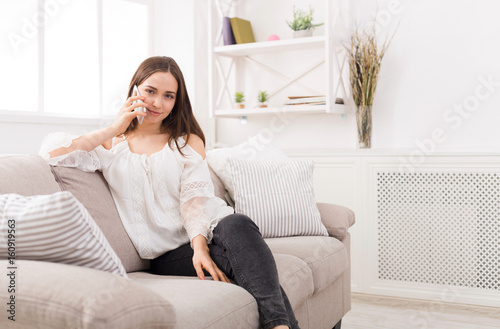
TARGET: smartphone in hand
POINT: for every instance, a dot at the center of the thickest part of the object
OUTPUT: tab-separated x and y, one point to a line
142	108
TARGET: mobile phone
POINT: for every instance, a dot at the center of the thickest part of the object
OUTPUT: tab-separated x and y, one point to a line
142	108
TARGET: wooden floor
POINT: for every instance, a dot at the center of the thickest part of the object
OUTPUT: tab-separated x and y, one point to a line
394	313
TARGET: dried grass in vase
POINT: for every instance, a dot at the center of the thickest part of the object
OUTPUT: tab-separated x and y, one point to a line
365	59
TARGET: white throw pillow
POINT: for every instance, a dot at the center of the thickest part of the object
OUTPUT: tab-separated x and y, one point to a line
253	149
54	228
277	196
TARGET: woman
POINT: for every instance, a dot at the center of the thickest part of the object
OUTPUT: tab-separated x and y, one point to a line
161	184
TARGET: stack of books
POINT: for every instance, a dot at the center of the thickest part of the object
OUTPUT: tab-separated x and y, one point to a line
309	100
236	31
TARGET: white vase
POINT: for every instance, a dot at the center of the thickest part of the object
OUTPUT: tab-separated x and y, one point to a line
302	33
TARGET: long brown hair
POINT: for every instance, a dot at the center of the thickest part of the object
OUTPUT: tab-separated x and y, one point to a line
181	120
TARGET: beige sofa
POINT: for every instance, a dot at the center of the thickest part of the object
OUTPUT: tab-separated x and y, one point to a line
314	271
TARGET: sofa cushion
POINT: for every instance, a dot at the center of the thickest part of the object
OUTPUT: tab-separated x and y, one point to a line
219	190
326	256
295	277
294	274
26	174
204	304
54	228
52	295
93	192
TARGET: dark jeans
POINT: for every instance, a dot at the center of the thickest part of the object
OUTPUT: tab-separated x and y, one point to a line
240	252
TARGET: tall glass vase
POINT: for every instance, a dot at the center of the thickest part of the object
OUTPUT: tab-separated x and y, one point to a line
364	123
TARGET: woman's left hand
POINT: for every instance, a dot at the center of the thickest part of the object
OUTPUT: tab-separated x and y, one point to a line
203	261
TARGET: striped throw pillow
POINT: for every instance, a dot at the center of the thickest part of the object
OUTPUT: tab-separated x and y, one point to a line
54	228
278	196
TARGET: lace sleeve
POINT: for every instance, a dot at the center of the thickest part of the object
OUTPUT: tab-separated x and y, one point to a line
200	209
196	191
83	160
195	219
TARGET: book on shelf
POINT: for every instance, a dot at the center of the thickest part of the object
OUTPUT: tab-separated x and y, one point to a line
242	30
310	100
227	32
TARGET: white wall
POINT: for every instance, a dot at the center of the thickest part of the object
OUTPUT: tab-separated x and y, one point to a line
440	55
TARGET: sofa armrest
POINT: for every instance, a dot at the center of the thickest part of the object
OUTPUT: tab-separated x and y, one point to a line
52	295
337	219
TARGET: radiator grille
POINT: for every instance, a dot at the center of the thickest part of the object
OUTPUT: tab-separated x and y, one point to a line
439	228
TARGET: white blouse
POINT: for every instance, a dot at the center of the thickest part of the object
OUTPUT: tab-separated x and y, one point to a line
164	200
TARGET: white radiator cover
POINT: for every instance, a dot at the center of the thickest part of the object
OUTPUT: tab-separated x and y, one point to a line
439	228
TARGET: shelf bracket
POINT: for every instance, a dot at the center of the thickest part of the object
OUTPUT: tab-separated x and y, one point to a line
225	79
340	82
290	80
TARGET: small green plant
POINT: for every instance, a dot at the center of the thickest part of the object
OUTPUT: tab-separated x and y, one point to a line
262	97
239	97
302	20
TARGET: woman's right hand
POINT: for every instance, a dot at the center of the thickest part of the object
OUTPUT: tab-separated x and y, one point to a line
126	114
90	141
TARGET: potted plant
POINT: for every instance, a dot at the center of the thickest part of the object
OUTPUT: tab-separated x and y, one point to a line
263	98
302	23
365	58
239	98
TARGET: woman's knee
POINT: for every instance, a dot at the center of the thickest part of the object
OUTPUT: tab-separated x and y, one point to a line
238	223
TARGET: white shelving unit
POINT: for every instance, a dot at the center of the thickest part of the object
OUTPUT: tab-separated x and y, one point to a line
334	62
